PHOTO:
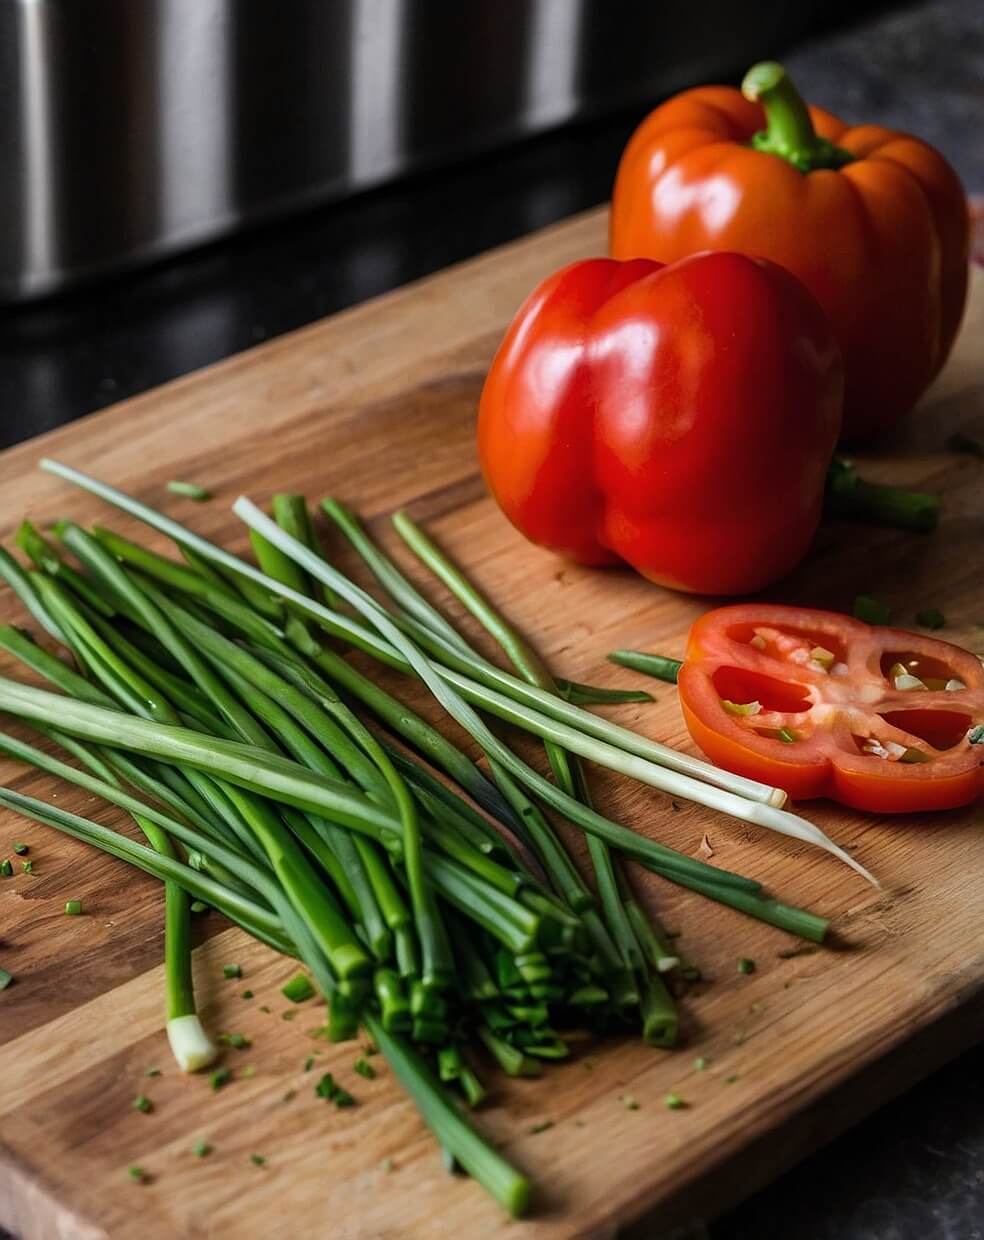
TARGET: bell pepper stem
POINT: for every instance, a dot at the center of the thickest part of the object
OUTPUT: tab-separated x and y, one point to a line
789	131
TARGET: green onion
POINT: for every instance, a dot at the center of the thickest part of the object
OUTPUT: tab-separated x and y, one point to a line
152	1072
787	736
201	1149
976	735
136	1173
871	610
931	618
701	1063
658	665
364	1068
219	1078
232	970
746	965
674	1102
850	498
298	988
6	870
20	849
5	979
257	1160
72	907
143	1103
190	490
247	994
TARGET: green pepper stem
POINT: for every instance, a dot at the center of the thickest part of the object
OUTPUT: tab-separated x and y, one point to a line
789	131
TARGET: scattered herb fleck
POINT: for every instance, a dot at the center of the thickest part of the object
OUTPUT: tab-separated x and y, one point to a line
6	869
190	490
220	1077
264	1008
290	1095
700	1064
143	1103
136	1173
674	1102
238	1041
739	1037
746	964
257	1160
542	1126
248	1072
5	979
871	610
20	849
387	1164
931	618
298	988
73	907
202	1149
247	994
364	1068
976	735
288	1015
730	1080
232	970
309	1063
152	1072
327	1088
630	1103
198	907
28	866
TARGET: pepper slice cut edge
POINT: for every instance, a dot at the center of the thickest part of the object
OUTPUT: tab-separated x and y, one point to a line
859	740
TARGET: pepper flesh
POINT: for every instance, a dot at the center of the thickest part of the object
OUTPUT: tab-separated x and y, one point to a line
878	232
858	739
644	413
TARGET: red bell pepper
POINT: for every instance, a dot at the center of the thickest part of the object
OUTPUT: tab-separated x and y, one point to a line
680	419
872	221
820	704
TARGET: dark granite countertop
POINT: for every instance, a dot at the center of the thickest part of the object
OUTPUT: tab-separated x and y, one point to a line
913	1171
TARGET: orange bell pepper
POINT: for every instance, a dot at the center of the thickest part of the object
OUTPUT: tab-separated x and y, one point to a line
822	705
873	222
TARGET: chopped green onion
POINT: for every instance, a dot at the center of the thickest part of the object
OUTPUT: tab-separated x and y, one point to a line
28	867
219	1078
730	1080
746	965
190	490
309	1063
201	1149
5	979
6	869
365	1069
976	735
630	1103
232	970
257	1160
871	610
248	1072
700	1064
197	906
787	736
136	1173
152	1072
247	994
73	908
238	1041
143	1103
852	498
674	1102
288	1015
20	849
543	1126
298	988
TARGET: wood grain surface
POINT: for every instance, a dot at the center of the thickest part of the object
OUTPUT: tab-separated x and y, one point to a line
377	407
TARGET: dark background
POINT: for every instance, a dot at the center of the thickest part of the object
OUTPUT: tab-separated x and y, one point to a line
914	1171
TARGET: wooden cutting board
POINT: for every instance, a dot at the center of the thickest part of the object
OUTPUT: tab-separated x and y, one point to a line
377	406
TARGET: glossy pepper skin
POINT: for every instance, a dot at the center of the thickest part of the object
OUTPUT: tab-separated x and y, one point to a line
873	222
680	419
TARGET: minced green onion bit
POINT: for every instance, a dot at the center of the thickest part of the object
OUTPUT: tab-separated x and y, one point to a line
328	1089
73	908
190	490
746	965
198	907
257	1160
976	735
202	1149
143	1103
232	970
222	1076
136	1173
741	708
28	866
247	994
20	849
6	869
787	736
674	1102
630	1103
152	1072
931	618
298	988
364	1068
871	610
5	979
700	1064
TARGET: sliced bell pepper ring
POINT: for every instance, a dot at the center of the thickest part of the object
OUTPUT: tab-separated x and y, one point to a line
823	705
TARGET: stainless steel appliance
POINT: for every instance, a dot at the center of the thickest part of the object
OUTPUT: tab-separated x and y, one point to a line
132	128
